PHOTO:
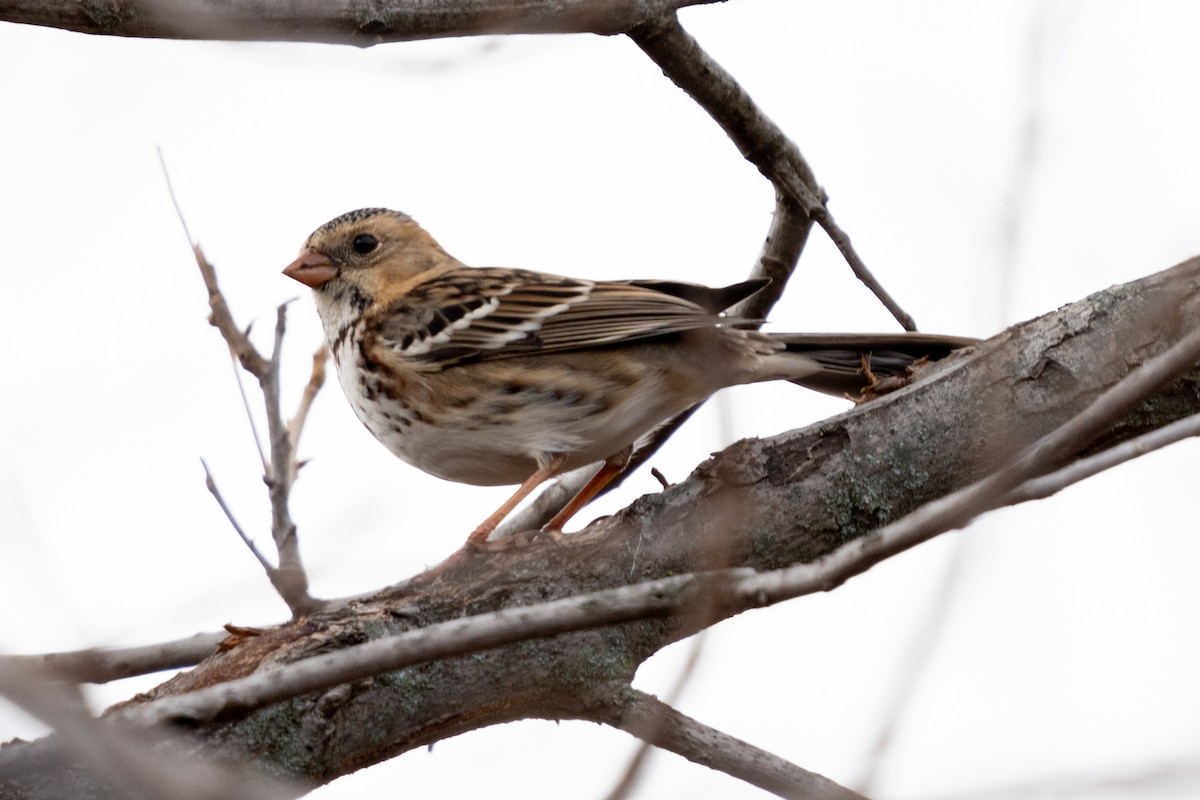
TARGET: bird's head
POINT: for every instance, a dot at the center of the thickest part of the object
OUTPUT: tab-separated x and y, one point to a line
372	250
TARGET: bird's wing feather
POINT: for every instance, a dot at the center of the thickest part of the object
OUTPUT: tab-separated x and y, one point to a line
477	314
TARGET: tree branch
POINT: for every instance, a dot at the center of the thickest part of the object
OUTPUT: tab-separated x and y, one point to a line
647	718
126	760
756	136
1053	483
801	508
102	666
361	23
626	785
295	425
211	485
289	577
695	600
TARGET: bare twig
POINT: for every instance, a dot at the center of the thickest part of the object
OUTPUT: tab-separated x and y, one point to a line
355	22
295	425
648	718
628	781
102	666
162	162
660	598
220	317
293	580
1178	778
777	258
1055	482
758	138
139	763
216	493
289	577
841	239
911	664
714	552
258	446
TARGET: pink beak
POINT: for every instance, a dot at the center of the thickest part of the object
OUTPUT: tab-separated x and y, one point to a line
312	269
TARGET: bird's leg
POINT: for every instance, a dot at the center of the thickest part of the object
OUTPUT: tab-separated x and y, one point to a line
613	466
478	538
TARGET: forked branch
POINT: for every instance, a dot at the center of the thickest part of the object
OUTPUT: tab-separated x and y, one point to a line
759	139
288	577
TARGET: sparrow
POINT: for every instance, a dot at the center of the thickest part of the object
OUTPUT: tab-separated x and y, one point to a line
494	376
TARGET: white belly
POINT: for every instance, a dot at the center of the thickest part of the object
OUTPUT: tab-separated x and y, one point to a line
501	437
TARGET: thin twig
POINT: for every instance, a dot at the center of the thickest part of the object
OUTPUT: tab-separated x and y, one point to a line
910	665
292	582
1055	482
237	377
104	665
289	577
633	771
1166	779
651	599
280	330
842	240
162	162
759	139
716	554
295	426
648	718
656	473
279	471
212	488
220	316
135	762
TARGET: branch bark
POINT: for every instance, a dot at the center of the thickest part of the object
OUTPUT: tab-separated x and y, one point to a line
647	718
762	504
695	600
362	23
102	666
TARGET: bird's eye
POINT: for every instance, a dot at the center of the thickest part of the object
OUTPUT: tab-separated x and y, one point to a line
364	243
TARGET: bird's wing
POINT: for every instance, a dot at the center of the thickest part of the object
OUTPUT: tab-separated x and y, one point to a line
476	314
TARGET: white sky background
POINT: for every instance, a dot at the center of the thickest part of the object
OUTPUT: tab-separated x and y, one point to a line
1072	643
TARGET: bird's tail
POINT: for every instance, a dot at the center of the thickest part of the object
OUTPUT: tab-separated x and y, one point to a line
851	363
